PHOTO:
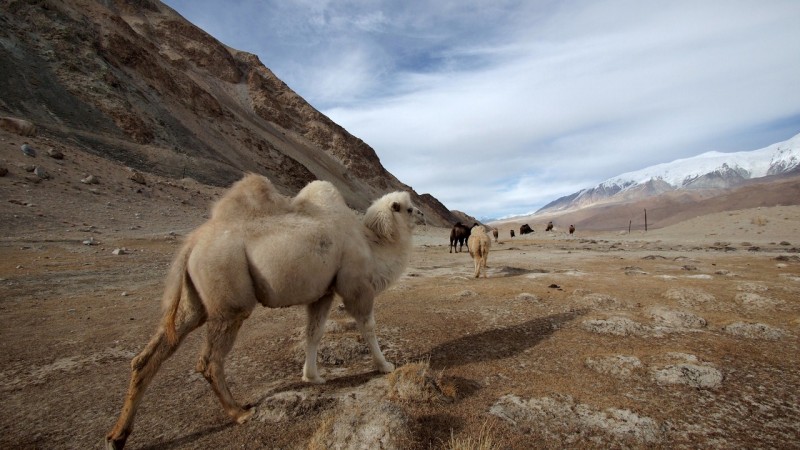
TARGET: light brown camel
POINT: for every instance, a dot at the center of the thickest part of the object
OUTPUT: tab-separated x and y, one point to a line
478	245
262	247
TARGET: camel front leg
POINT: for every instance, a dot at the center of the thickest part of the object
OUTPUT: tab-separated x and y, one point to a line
366	325
315	327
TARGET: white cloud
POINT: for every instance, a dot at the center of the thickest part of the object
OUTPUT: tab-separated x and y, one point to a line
500	107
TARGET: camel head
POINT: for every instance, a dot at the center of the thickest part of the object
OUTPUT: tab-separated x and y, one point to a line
393	216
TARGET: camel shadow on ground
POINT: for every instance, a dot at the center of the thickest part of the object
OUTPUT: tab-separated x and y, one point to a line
498	343
188	439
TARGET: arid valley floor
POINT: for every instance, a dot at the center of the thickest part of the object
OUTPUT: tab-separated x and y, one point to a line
681	337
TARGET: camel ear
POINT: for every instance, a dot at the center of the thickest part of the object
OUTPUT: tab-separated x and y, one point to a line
396	207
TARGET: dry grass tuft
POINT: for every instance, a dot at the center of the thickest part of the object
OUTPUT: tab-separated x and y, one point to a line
486	440
414	382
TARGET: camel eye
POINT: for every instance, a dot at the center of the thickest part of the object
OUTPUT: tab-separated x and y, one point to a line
409	210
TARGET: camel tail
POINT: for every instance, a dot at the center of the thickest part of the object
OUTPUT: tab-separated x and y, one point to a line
174	290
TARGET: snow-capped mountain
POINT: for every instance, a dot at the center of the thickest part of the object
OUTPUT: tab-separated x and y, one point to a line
711	170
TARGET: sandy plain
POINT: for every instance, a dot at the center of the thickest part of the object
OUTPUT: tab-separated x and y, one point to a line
680	337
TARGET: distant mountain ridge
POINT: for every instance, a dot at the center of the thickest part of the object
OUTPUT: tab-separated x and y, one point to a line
710	170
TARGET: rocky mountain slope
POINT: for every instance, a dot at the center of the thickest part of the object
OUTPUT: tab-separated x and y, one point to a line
133	82
708	171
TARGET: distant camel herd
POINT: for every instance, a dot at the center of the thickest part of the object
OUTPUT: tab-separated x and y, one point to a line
478	241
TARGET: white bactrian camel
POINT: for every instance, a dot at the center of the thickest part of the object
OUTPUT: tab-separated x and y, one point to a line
262	247
478	244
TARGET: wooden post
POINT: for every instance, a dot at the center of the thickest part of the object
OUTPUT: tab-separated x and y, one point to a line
629	226
645	219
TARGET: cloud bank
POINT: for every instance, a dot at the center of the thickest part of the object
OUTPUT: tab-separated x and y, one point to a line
499	107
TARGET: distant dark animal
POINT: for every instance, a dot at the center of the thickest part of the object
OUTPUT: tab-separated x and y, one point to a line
495	233
571	229
458	235
549	226
525	229
512	233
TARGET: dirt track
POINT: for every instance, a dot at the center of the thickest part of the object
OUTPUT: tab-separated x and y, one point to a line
570	341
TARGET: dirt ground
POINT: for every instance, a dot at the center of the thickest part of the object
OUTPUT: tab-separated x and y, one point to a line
684	337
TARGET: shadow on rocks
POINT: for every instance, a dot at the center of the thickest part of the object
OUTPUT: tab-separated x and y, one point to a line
498	343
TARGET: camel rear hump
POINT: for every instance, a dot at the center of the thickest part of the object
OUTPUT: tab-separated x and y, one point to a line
252	196
319	197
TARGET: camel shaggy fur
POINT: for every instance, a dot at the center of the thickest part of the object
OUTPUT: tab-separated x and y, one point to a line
262	247
478	246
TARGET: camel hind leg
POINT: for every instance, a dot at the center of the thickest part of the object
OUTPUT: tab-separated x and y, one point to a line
317	316
221	335
146	364
484	259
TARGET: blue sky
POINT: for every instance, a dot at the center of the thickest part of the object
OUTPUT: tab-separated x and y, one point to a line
498	107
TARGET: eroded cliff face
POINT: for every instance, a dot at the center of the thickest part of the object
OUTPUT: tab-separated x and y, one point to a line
133	81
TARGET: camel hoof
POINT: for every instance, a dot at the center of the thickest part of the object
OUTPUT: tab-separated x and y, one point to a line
115	444
386	367
245	416
314	380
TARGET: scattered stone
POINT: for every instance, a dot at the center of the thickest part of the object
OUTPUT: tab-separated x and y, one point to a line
688	297
554	286
137	177
754	331
27	150
703	276
677	319
689	267
364	419
693	375
785	243
40	172
753	300
576	421
651	257
290	405
596	300
21	127
90	241
3	170
55	153
120	251
90	179
526	297
634	270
